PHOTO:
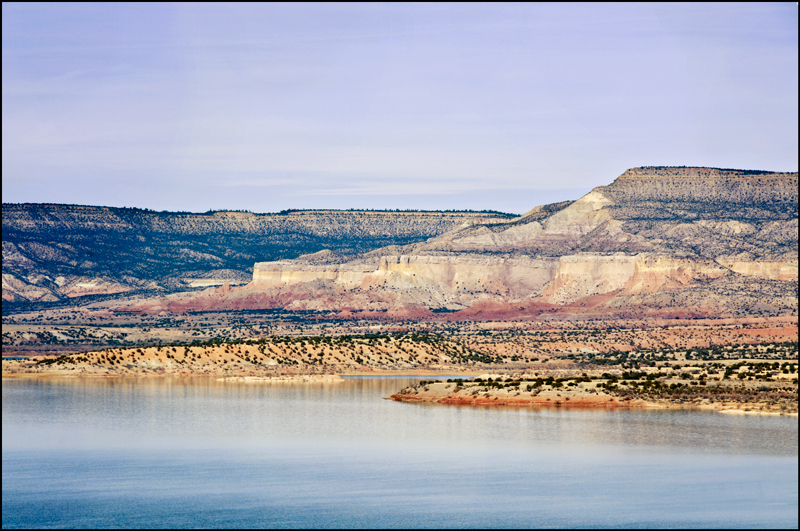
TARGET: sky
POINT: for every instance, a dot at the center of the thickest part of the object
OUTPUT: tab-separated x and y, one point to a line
503	107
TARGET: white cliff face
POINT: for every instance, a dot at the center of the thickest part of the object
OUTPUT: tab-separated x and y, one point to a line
585	275
521	276
458	281
287	273
772	270
465	279
614	241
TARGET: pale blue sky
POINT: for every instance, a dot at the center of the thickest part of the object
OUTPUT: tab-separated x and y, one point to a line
269	106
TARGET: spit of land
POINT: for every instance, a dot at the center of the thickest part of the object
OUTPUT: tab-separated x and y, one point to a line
734	365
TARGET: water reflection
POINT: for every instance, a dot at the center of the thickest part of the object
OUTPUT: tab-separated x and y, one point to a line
208	413
205	453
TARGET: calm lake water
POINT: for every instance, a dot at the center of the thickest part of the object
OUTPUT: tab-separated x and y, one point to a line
202	453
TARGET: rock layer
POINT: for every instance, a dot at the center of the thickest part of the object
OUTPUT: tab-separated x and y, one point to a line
654	230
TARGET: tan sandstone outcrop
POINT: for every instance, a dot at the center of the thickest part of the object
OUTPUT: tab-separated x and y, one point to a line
784	270
521	276
653	230
564	228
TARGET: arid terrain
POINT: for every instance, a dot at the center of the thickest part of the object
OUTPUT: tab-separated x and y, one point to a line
670	287
745	365
70	254
657	242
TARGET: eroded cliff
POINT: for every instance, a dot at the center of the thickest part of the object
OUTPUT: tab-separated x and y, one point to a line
652	231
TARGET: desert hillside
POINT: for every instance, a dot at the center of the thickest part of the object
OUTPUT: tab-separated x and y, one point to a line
59	252
656	241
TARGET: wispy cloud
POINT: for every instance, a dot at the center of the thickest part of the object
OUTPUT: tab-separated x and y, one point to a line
353	100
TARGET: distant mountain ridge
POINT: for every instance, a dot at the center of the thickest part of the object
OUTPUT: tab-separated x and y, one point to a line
657	241
688	212
52	252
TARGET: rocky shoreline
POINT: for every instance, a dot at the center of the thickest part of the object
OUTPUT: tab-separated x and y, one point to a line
476	393
740	371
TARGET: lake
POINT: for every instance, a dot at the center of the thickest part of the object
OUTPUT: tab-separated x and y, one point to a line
204	453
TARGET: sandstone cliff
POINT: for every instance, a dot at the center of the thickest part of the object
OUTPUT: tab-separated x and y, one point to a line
660	241
687	232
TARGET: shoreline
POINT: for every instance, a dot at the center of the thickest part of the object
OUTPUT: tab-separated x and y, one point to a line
611	404
441	393
735	379
227	376
450	394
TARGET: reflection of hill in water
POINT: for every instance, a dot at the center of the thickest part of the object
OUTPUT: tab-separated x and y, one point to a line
174	412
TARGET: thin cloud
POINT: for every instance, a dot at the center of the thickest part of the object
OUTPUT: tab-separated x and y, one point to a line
339	100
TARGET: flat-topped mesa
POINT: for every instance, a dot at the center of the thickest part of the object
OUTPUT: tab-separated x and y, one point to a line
653	230
312	223
659	183
657	241
139	249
